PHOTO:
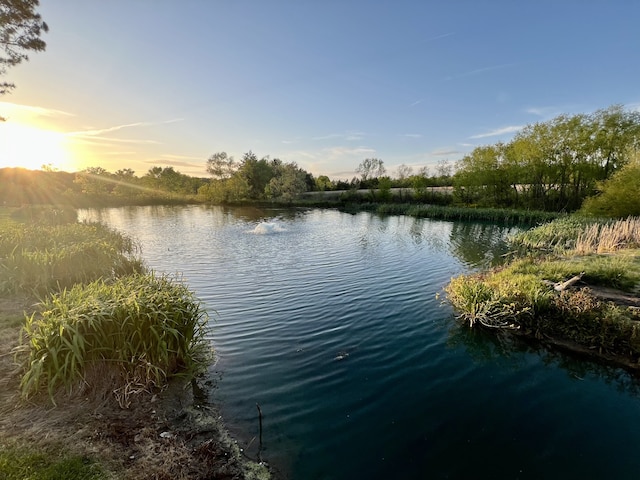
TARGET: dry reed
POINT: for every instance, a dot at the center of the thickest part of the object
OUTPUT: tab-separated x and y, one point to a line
609	237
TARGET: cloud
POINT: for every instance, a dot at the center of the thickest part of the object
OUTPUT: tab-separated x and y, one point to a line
182	157
479	71
100	131
348	136
440	152
15	110
176	163
410	135
340	152
499	131
417	102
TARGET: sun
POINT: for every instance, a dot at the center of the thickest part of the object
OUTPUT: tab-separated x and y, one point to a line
23	145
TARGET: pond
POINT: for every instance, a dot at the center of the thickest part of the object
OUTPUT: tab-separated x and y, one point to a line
333	323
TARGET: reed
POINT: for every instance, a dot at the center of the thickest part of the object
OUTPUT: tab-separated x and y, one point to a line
609	237
126	336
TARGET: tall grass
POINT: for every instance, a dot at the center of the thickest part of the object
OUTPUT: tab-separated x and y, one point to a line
127	336
38	258
580	234
441	212
609	237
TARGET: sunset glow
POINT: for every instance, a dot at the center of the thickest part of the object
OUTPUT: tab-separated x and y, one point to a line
23	145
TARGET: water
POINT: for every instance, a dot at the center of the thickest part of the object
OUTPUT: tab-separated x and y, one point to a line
331	322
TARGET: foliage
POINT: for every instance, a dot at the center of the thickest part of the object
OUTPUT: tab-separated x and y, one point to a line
39	258
520	296
23	463
553	165
45	214
582	234
370	168
221	166
556	236
619	195
135	331
20	30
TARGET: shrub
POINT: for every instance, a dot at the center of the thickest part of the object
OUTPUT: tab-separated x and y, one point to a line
127	336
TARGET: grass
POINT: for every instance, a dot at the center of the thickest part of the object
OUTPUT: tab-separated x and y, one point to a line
521	294
38	258
22	463
124	336
442	212
581	234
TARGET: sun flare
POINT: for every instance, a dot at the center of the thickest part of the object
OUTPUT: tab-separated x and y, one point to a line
23	145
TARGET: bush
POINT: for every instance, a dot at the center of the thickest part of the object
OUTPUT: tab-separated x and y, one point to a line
127	336
620	195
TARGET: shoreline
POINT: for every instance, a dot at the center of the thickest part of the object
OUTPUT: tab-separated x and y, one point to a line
171	434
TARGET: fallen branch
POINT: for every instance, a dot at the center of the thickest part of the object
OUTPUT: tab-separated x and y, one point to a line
559	287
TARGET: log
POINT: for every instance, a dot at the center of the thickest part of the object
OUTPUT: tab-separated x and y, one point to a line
559	287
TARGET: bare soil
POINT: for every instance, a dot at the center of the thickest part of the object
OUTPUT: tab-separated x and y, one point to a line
170	435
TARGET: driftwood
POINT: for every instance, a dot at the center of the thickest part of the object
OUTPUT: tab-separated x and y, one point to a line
559	287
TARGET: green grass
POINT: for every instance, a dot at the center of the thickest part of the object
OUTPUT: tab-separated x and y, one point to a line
37	258
443	212
25	464
132	333
521	295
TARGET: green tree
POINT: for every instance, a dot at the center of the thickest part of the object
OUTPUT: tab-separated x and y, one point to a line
324	183
20	30
288	182
221	166
256	173
620	195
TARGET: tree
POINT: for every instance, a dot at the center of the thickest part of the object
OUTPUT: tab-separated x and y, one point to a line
94	181
221	166
404	172
257	173
324	183
288	182
20	31
371	168
620	195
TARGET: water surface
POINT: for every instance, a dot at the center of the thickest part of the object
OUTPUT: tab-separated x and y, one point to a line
332	323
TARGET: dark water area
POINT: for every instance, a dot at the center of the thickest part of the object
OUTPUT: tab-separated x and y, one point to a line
334	323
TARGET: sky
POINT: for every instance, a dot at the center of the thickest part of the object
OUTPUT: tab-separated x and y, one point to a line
325	83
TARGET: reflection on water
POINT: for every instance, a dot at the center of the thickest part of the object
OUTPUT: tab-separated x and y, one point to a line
333	327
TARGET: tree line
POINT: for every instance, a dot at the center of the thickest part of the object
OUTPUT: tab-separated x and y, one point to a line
553	165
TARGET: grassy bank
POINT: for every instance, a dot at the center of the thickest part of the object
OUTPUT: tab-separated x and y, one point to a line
95	355
574	281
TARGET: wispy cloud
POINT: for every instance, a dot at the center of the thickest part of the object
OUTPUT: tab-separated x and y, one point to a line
348	136
100	131
341	152
441	152
479	71
417	102
499	131
10	110
410	135
181	157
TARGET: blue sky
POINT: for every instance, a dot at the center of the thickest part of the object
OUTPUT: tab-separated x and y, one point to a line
139	83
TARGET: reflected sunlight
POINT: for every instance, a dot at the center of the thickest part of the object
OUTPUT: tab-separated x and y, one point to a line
23	145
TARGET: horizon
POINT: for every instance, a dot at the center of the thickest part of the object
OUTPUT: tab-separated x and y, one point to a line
323	85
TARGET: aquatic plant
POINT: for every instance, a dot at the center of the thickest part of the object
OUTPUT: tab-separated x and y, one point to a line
124	336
